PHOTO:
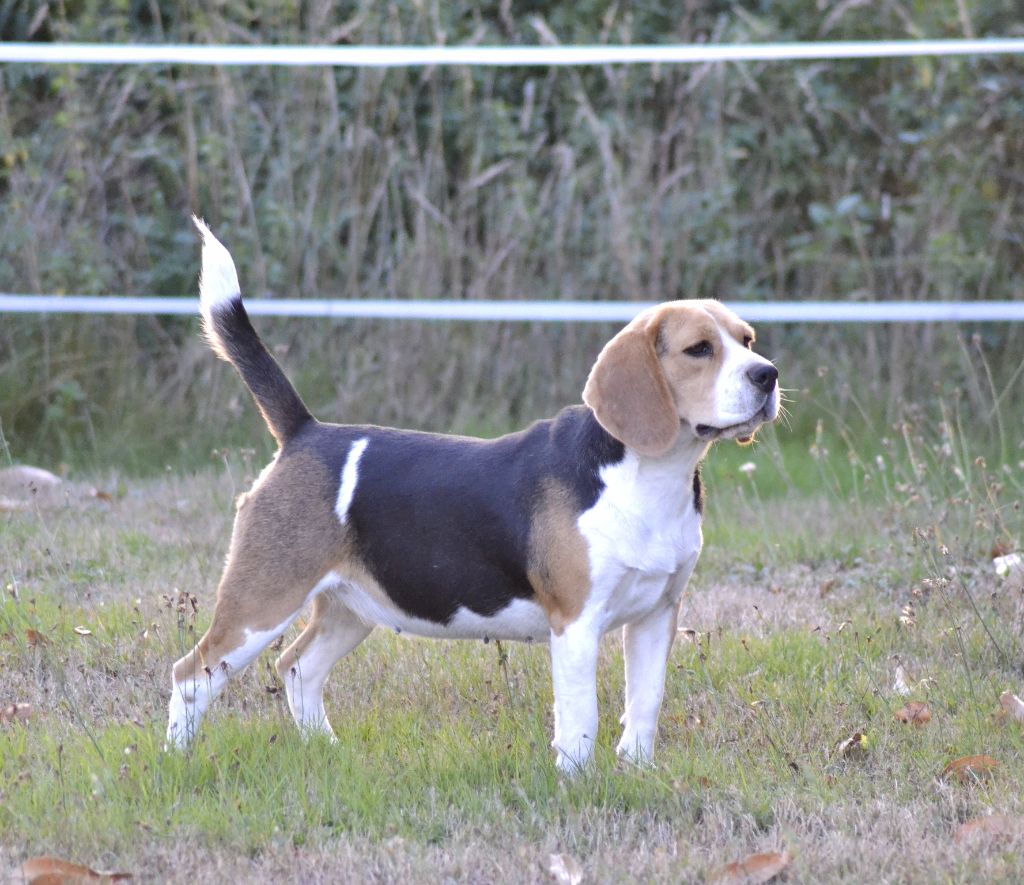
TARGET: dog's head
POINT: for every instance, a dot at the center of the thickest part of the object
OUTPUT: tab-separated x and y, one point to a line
682	367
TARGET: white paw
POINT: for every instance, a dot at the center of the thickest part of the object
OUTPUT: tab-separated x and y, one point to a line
574	763
636	752
319	729
181	721
178	736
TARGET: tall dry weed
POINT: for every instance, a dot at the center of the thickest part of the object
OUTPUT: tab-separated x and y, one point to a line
852	180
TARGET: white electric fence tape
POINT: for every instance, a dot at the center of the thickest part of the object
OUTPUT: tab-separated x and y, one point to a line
538	311
545	56
532	311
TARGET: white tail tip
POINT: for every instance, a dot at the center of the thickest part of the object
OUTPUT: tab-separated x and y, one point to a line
218	282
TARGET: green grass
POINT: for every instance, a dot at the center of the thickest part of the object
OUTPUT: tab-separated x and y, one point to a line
799	612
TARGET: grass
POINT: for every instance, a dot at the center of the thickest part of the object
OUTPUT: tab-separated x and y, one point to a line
804	604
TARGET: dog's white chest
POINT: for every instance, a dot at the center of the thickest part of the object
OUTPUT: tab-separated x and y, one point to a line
642	533
644	519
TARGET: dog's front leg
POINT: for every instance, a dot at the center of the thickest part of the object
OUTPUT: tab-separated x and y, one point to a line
574	674
646	644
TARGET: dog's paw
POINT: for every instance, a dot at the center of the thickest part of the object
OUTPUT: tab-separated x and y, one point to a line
635	753
574	764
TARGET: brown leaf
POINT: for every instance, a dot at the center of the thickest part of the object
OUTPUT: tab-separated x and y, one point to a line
1000	548
1012	706
101	495
83	631
914	713
34	637
969	768
854	745
16	713
565	869
753	870
54	871
988	828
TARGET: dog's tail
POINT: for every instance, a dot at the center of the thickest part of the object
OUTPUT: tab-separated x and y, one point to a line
233	338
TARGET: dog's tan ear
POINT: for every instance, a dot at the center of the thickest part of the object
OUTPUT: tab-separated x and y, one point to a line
629	394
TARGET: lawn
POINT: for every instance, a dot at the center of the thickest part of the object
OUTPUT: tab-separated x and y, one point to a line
837	585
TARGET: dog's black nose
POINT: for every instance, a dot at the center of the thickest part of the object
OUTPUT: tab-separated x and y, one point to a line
763	377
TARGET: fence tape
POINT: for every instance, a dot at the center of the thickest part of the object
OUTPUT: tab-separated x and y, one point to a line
531	311
492	56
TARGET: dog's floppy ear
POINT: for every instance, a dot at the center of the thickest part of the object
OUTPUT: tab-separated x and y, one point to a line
629	394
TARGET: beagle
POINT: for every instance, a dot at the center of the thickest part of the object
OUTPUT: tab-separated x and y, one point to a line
576	526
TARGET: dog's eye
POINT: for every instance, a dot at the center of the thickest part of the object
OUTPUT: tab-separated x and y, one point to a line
700	350
747	341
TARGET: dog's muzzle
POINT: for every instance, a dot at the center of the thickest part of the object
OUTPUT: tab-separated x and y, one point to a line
743	431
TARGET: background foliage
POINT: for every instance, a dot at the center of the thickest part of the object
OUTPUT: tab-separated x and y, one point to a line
849	563
854	179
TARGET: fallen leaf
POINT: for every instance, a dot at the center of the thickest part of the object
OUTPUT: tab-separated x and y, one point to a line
999	548
1012	706
26	477
854	745
914	713
992	826
34	637
54	871
753	870
1007	564
969	768
1010	568
83	631
101	495
16	713
901	682
565	869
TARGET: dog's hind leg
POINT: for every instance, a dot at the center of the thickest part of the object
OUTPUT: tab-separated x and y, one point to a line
332	633
257	600
243	625
284	542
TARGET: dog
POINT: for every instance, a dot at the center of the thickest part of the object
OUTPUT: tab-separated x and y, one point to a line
573	527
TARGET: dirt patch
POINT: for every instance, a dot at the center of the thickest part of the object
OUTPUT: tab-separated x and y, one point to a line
782	598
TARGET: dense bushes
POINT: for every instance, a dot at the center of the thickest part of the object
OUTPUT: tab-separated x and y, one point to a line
856	180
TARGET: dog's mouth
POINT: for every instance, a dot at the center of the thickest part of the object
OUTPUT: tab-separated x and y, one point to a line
744	431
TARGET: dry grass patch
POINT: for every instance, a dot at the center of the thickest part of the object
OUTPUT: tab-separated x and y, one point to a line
443	770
